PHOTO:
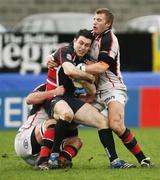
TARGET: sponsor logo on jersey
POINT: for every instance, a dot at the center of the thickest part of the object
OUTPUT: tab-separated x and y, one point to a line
69	57
109	98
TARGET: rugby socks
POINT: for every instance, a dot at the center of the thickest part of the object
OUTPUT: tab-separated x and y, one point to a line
68	152
48	138
106	138
132	145
61	129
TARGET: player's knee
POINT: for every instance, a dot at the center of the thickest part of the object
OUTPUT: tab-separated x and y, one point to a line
67	115
76	142
79	143
116	124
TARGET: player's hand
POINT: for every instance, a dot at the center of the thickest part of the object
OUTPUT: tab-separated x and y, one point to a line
90	62
51	62
60	90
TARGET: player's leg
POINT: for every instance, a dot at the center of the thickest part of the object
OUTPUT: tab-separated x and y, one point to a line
64	113
116	117
90	116
116	123
115	162
45	136
70	105
70	148
130	142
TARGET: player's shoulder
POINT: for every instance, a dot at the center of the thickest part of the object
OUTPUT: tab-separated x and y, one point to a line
68	48
109	37
108	34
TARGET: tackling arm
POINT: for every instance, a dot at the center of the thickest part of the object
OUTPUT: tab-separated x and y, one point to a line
39	96
97	68
75	73
89	87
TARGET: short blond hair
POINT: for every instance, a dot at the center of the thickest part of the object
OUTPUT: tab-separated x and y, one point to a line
109	15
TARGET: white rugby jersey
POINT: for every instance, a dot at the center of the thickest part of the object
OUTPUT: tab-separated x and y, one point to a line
37	113
35	119
106	48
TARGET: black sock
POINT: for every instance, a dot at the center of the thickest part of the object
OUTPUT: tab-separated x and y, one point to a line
106	138
61	129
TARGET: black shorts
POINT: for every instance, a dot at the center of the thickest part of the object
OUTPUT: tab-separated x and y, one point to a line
36	147
74	103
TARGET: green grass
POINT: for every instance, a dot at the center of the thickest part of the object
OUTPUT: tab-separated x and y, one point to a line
91	162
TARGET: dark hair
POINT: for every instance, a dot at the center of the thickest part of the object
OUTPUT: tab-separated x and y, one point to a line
109	15
86	33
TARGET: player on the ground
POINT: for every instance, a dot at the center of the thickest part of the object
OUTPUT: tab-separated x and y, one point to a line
35	137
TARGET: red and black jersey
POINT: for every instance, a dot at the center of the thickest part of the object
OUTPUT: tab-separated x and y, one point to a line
57	76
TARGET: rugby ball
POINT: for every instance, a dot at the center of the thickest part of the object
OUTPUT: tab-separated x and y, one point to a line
81	66
76	83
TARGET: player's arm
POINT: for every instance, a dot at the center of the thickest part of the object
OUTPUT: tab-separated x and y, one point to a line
75	73
97	68
89	87
40	96
70	69
106	57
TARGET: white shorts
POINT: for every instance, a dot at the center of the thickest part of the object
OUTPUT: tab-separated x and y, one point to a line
103	98
23	146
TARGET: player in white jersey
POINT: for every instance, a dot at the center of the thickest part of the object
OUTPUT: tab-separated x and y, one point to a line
111	91
38	130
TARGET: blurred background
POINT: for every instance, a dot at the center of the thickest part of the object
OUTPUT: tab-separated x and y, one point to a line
31	30
12	11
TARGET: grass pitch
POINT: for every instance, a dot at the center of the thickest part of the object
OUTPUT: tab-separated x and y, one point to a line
90	163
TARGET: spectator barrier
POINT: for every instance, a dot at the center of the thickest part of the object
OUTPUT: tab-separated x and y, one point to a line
142	108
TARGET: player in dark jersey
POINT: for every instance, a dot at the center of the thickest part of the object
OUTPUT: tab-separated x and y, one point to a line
103	129
67	107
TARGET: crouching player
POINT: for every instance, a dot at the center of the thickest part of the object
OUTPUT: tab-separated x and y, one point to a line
34	139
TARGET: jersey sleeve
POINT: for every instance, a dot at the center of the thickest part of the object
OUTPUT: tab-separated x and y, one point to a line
108	49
